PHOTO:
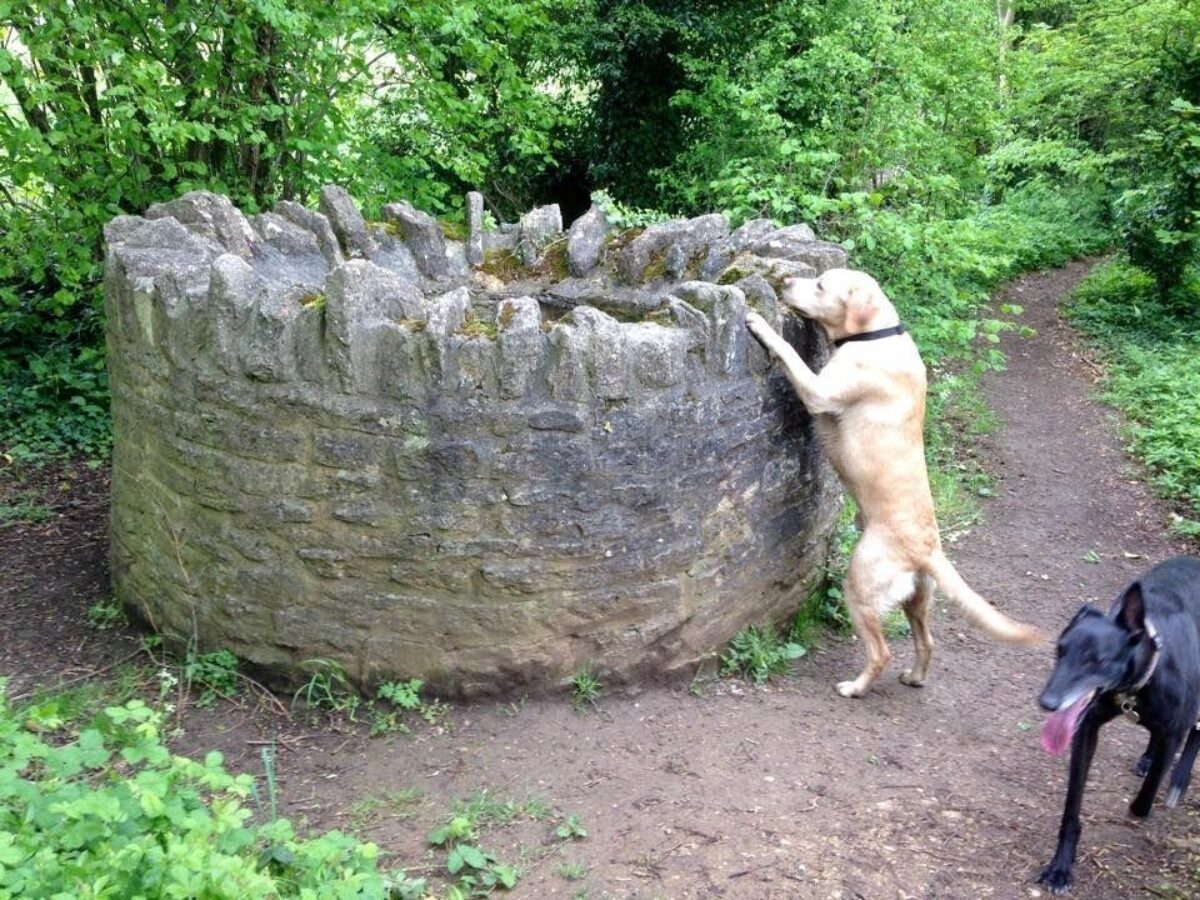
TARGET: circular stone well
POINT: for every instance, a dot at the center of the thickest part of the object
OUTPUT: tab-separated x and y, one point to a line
489	463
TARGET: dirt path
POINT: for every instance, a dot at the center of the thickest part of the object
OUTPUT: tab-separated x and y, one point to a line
790	791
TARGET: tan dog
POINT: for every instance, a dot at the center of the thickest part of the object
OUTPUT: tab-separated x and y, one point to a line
869	404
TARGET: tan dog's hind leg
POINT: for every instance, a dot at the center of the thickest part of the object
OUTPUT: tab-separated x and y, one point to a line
917	612
868	581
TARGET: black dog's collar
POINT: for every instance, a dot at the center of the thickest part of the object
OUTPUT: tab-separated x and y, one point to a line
871	335
1127	699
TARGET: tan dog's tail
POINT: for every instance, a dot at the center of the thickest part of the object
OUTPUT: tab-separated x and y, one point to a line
978	610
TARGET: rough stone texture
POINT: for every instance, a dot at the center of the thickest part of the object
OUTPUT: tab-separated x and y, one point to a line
585	241
538	228
474	228
423	235
675	245
473	486
348	223
317	224
211	216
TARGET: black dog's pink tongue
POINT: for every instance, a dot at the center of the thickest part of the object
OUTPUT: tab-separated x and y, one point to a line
1059	727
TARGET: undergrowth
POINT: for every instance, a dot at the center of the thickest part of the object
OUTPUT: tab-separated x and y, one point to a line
1149	347
111	812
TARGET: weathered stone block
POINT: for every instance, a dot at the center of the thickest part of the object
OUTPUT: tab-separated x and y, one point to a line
522	344
585	241
474	228
676	243
211	215
538	228
347	222
422	234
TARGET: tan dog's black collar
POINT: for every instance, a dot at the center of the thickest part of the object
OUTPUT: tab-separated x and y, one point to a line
871	335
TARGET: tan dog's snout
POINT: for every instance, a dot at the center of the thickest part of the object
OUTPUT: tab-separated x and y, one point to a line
797	293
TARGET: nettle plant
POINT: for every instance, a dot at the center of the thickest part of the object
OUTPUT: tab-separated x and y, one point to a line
113	813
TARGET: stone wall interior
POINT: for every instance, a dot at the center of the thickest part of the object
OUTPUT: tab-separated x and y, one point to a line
490	462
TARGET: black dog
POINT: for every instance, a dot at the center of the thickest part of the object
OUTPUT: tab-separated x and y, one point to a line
1141	659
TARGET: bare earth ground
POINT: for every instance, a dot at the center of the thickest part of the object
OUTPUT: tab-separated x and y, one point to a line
780	792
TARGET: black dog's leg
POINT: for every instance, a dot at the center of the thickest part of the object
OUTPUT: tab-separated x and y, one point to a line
1182	776
1142	766
1162	749
1057	875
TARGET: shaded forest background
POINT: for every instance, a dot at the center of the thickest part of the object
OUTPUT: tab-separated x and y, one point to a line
947	143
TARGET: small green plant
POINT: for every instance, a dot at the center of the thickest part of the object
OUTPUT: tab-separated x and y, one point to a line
585	689
571	829
105	614
477	872
400	804
328	688
759	653
214	675
572	870
394	698
23	511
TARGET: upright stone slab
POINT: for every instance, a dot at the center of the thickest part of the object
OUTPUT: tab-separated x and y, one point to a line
585	241
423	235
538	228
488	483
347	222
474	228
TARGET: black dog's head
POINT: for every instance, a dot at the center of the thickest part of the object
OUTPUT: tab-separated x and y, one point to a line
1096	654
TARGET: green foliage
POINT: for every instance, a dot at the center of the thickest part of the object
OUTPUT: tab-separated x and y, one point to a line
110	107
476	871
214	675
394	698
585	689
112	813
1151	348
328	688
571	829
105	614
1105	93
759	653
23	508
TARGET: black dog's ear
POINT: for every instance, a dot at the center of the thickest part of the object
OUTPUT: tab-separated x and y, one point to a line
1132	611
1084	611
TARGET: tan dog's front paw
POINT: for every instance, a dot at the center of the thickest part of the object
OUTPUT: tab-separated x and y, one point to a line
907	677
849	689
758	326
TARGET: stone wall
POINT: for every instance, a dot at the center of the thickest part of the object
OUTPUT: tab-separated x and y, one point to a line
340	439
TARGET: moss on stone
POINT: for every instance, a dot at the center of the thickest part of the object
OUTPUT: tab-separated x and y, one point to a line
314	300
502	264
552	266
507	312
414	325
656	268
452	230
475	327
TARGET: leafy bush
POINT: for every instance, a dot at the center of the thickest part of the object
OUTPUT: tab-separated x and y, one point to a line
113	813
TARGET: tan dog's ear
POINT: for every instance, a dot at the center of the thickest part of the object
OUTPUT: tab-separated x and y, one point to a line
860	306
